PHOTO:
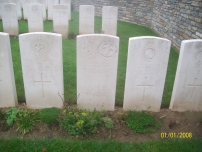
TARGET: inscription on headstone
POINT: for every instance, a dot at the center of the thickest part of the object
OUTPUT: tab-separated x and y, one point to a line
86	19
68	3
17	3
41	56
109	20
60	19
35	18
187	90
10	19
97	60
146	72
43	3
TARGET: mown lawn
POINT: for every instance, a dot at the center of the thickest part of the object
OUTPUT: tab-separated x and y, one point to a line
64	145
124	31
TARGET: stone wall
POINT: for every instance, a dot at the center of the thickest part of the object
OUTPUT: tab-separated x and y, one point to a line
134	11
178	20
175	20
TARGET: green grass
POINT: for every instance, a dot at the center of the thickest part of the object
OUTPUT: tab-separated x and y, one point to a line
59	145
49	115
124	31
141	122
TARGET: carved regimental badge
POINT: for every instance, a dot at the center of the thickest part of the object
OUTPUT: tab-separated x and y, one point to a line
34	8
39	48
88	50
148	54
107	49
8	8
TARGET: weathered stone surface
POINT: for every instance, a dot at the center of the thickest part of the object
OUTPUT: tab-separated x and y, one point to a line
35	18
46	4
97	60
1	2
187	91
86	19
43	3
41	57
10	19
17	3
50	8
25	4
8	97
68	3
109	20
146	73
60	19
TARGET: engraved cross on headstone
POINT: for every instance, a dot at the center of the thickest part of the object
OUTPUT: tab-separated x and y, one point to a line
86	17
34	22
144	85
34	16
42	82
9	24
193	88
109	19
61	15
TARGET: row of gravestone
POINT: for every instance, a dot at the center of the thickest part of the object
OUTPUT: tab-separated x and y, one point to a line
109	19
35	19
60	19
45	4
97	61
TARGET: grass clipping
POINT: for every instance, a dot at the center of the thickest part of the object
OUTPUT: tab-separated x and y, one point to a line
141	122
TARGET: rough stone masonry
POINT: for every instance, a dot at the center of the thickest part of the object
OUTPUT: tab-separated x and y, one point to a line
175	20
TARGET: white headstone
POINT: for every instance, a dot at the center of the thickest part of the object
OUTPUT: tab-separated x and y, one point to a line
50	8
41	57
1	2
109	19
146	73
187	91
60	19
19	12
35	18
17	2
25	4
8	97
86	19
10	19
43	3
68	3
46	4
97	60
21	4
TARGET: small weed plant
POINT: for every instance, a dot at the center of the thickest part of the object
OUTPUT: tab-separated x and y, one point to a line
108	122
26	120
201	120
49	115
71	36
122	116
141	122
10	115
81	121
